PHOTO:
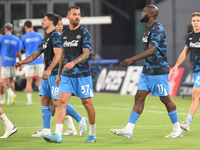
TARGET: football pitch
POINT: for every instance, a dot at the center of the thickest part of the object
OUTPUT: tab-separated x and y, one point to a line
112	111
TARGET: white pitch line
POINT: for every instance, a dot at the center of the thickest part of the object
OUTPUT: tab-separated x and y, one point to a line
126	109
139	126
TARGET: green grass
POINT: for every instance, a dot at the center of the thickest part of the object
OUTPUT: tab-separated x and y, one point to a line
112	111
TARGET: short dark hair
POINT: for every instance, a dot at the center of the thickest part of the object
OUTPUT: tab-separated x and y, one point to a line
59	17
28	23
52	17
2	30
73	7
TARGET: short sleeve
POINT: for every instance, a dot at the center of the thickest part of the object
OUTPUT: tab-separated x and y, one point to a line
40	48
187	40
57	40
156	36
86	40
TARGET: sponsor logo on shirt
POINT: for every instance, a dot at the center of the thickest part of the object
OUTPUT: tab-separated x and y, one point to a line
145	39
10	42
35	39
45	44
9	58
195	45
71	44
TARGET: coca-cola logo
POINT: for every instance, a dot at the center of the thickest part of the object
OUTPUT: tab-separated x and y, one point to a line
71	44
195	45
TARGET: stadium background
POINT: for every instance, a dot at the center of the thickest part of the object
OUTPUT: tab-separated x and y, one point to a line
121	38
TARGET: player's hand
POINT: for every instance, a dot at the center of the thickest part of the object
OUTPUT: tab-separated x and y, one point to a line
17	65
46	74
69	66
174	70
58	80
126	62
20	68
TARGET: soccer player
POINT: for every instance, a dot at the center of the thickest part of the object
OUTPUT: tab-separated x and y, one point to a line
2	92
9	45
51	46
192	44
154	76
76	78
68	119
10	128
30	42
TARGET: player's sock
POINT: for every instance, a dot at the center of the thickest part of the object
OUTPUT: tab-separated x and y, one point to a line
29	97
174	119
51	118
59	128
46	116
10	92
3	98
69	122
132	120
189	119
92	129
72	112
6	121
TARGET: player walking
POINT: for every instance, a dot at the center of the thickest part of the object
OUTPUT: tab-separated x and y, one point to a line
154	77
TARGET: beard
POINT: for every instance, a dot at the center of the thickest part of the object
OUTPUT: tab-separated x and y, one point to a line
44	27
74	23
144	19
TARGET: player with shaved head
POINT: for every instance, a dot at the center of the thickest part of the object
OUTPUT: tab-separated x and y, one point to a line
154	76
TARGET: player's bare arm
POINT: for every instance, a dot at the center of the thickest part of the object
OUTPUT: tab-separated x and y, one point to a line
61	64
28	59
81	58
19	55
56	58
181	58
150	51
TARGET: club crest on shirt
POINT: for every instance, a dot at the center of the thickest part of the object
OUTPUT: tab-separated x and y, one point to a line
78	37
65	37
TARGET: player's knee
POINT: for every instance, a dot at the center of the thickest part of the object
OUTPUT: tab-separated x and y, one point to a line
86	103
7	85
44	101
